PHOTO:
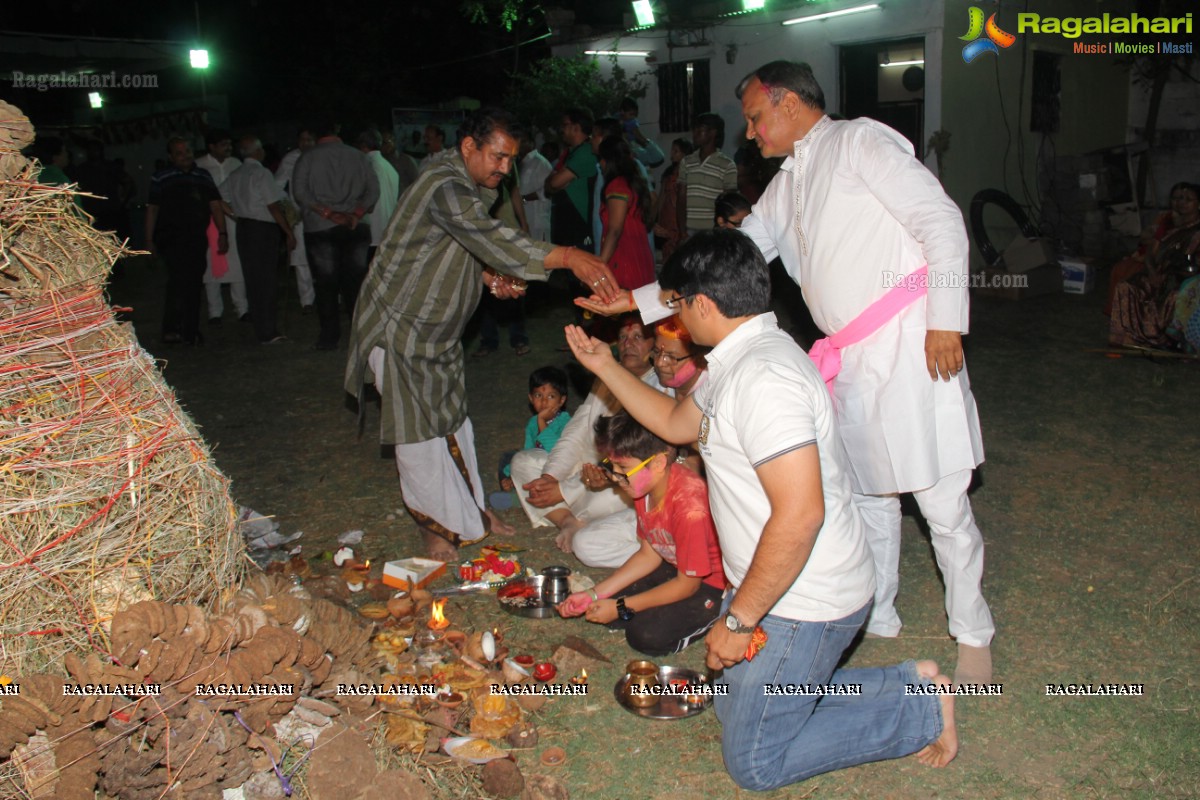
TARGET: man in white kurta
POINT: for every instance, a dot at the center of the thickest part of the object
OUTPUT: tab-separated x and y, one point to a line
850	213
220	164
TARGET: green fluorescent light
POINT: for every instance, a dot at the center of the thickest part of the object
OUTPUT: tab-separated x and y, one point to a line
643	11
199	59
753	5
95	99
642	53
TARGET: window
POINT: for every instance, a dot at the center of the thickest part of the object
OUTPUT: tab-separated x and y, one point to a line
683	92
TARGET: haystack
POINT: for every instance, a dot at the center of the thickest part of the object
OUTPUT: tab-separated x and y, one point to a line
108	493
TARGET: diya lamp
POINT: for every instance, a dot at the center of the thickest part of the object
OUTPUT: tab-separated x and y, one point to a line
544	671
354	573
437	616
525	661
580	679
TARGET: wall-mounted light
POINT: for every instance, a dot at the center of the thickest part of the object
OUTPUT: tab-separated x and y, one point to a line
920	62
641	53
198	58
95	100
830	14
643	12
753	5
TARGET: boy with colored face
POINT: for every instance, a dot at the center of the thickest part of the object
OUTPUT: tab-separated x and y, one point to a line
668	593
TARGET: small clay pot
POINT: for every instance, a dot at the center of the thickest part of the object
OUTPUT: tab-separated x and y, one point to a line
401	605
525	661
554	757
449	700
544	671
456	639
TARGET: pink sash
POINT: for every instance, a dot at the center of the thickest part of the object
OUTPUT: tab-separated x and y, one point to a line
826	353
220	264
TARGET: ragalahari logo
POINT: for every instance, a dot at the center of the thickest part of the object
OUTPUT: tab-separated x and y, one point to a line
996	38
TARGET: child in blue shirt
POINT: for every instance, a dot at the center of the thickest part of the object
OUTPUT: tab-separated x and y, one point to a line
548	399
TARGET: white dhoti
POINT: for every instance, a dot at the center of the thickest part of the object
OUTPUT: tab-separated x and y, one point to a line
232	275
439	479
609	535
299	262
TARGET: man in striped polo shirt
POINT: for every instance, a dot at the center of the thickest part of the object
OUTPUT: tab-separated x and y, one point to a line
704	175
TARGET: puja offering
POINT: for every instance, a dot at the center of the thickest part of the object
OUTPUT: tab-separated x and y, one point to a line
663	692
524	660
544	671
472	749
524	598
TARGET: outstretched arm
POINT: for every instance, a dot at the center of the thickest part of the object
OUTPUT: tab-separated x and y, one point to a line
673	422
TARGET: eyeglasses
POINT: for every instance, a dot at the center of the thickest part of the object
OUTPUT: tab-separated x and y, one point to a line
622	477
657	355
675	303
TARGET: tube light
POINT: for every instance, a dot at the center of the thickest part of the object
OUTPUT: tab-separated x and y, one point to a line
830	14
642	53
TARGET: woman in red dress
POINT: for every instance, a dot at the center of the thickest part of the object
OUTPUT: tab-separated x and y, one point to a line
625	215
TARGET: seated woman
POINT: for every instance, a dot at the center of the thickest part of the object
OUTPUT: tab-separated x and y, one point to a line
1135	262
680	368
668	593
1144	305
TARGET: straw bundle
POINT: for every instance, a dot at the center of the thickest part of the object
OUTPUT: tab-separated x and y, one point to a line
108	494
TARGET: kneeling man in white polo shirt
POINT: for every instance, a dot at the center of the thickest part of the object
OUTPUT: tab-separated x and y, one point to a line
792	543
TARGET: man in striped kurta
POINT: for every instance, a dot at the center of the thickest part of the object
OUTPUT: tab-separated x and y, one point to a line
439	250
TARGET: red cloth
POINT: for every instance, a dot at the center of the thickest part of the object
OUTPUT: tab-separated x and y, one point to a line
220	264
681	530
632	262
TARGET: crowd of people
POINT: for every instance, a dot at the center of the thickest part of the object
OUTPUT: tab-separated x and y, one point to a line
742	492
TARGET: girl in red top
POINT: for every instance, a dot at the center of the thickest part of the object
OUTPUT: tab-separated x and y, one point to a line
669	592
625	215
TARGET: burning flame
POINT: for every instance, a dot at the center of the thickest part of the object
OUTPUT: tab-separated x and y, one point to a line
583	673
437	620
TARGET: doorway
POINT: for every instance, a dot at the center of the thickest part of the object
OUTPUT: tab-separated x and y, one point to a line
886	82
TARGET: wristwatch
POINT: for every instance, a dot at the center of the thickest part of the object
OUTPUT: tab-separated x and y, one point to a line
735	625
624	614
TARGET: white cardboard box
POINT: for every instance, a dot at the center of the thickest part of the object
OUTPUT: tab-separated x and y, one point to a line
1079	276
415	573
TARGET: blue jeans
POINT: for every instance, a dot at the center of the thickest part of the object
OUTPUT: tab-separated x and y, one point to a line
773	741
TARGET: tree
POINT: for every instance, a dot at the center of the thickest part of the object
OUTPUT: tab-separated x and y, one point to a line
540	95
517	17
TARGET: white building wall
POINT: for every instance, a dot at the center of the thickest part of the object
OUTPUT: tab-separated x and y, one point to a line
760	38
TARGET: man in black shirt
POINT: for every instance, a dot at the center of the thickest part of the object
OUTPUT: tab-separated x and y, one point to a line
183	197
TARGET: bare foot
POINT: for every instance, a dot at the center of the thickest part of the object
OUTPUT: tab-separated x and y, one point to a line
974	665
499	526
438	548
566	532
943	750
927	669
